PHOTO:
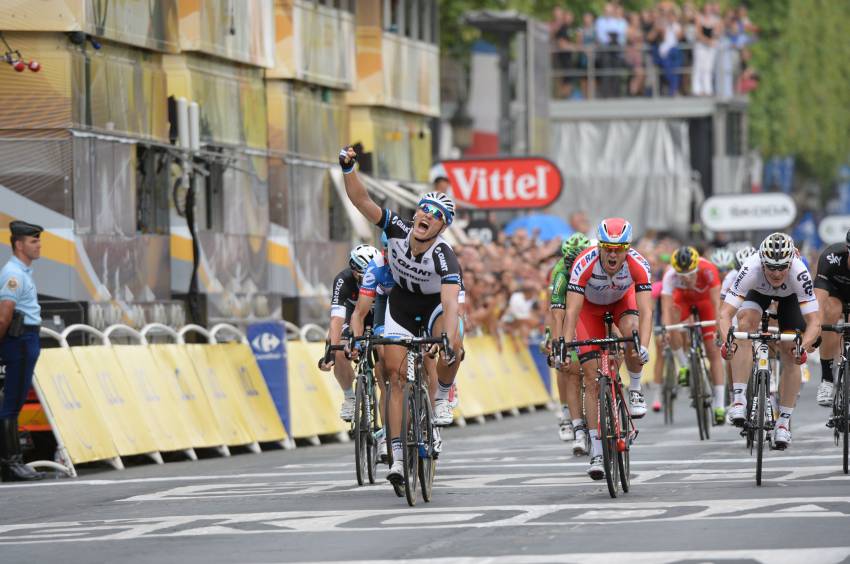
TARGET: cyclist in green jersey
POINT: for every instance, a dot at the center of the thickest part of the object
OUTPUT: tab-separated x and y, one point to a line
571	424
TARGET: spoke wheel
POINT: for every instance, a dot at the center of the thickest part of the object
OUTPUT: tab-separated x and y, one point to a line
841	403
608	436
361	430
698	396
623	457
669	388
749	431
763	382
427	459
399	491
409	443
373	428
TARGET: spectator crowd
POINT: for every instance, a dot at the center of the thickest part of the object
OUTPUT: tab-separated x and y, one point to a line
668	50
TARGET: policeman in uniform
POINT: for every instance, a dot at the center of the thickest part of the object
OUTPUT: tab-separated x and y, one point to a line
20	319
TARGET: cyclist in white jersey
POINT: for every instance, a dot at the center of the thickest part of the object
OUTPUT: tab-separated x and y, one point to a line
427	286
775	273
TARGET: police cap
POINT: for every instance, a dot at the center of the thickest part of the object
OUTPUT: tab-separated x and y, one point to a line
24	229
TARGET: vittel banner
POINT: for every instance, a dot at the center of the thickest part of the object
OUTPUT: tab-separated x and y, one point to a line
509	183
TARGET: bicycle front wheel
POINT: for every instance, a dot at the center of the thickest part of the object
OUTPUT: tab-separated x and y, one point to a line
410	443
762	387
609	436
427	459
698	395
361	431
374	427
623	454
669	388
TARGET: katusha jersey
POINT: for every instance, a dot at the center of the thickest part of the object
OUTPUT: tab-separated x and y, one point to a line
422	274
751	278
682	290
589	278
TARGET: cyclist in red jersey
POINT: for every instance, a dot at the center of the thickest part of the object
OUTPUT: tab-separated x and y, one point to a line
615	278
694	281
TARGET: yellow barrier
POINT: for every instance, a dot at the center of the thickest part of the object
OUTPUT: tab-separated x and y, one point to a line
250	389
314	396
223	396
166	418
177	369
76	417
115	399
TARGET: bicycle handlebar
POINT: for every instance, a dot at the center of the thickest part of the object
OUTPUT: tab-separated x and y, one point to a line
769	336
839	327
634	339
684	326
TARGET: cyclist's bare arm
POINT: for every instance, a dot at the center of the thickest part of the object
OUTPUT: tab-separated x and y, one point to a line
358	195
361	310
448	297
644	305
574	303
558	317
724	319
667	310
812	330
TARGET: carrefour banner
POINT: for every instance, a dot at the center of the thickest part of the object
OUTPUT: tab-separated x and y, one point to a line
268	343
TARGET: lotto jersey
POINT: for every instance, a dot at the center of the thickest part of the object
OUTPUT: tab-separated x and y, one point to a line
589	278
693	288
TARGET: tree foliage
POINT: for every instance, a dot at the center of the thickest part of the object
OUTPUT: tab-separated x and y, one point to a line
801	106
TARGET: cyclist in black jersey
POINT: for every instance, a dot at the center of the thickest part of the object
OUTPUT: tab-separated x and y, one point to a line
832	289
427	286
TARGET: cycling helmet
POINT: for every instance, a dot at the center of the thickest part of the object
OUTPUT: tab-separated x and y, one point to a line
723	258
614	231
743	254
847	238
360	257
385	241
777	250
576	241
685	260
442	201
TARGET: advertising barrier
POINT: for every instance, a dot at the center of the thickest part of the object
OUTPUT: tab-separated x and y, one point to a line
748	212
268	343
314	395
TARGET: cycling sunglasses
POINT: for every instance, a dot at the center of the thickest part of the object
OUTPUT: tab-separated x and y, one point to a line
614	247
777	267
433	211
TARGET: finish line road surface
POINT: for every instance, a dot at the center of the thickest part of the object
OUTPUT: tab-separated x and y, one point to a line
506	491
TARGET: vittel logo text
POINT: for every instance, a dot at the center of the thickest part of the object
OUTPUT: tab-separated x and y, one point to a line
504	183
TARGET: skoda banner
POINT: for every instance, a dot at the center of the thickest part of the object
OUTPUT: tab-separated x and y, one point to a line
748	212
268	343
833	228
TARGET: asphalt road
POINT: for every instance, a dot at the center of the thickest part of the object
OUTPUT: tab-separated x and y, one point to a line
506	491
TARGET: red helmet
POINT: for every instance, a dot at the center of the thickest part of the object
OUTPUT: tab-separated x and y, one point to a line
614	231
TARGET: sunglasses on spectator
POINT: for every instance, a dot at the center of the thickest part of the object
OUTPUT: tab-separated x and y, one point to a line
776	267
614	248
433	211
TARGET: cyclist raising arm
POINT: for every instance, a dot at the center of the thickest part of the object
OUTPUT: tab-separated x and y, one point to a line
775	273
610	277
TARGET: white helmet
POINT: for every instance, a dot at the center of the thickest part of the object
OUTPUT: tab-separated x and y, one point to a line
723	258
777	250
441	201
744	253
360	257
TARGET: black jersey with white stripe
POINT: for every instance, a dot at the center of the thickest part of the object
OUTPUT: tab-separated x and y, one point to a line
418	274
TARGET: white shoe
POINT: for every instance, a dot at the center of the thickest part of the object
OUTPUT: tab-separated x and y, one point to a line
596	470
346	412
565	430
382	448
438	441
580	443
396	473
781	437
736	413
443	415
826	391
638	407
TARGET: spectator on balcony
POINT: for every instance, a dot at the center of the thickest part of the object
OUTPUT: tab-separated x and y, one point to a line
611	37
587	39
666	34
565	38
689	37
705	50
634	55
748	79
727	57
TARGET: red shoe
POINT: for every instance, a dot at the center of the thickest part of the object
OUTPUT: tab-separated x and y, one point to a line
656	406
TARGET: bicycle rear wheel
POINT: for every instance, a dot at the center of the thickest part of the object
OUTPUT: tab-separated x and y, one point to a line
372	450
361	429
427	461
623	455
698	396
409	443
669	387
608	435
762	387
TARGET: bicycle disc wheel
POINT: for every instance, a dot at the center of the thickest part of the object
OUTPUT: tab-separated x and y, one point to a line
762	385
427	463
361	429
623	456
609	436
372	450
409	444
669	388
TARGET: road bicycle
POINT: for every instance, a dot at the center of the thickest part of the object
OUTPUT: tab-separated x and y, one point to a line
669	381
760	420
699	382
418	432
615	425
839	421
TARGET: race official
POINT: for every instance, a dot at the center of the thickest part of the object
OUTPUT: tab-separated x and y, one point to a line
20	319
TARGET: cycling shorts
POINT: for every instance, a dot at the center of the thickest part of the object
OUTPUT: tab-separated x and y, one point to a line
406	312
591	321
705	310
788	312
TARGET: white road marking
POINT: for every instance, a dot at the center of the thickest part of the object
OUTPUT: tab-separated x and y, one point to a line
557	515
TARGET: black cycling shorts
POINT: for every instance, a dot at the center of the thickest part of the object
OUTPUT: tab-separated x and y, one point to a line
788	312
